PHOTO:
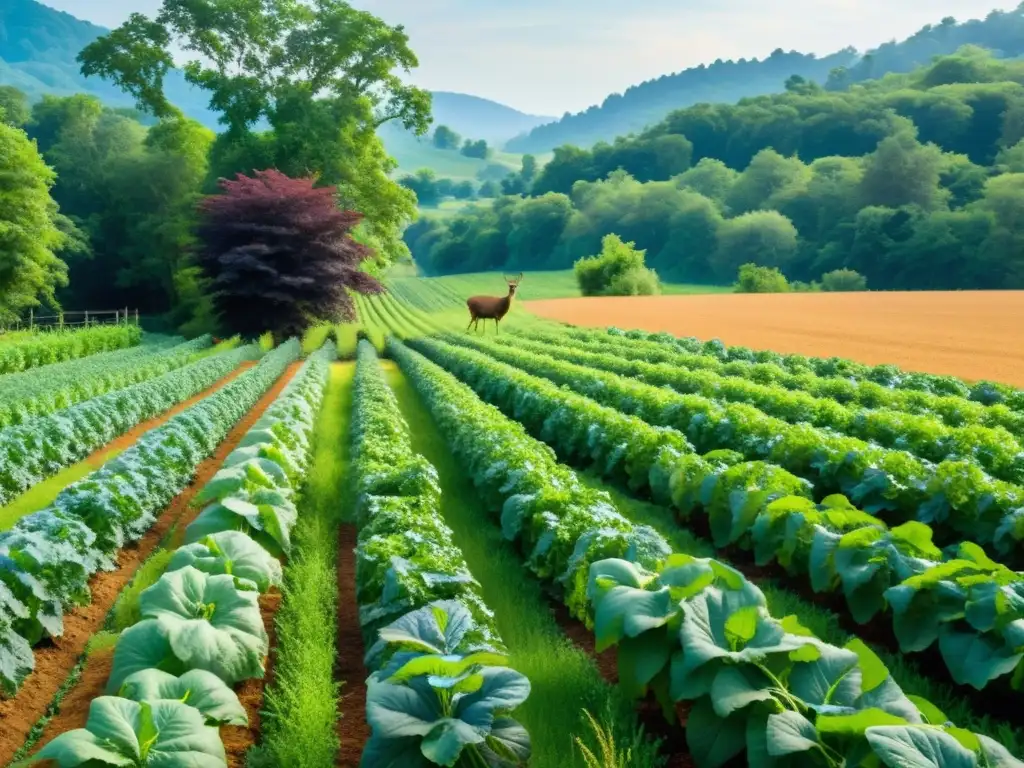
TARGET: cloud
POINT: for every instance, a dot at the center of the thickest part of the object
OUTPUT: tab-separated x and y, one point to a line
552	56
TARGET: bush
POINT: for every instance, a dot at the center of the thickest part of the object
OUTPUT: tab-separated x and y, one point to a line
844	280
800	287
618	270
755	279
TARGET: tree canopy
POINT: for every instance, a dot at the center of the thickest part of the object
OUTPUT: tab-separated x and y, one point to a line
30	234
278	254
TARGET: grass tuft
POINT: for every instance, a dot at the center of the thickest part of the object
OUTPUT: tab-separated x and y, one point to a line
301	705
126	611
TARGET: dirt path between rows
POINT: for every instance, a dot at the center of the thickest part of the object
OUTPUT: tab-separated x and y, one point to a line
55	662
972	334
353	731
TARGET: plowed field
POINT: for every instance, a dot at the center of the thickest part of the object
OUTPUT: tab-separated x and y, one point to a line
972	334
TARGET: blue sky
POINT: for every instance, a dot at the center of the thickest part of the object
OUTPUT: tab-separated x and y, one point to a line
552	56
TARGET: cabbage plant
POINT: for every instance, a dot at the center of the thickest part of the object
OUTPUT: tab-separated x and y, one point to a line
440	697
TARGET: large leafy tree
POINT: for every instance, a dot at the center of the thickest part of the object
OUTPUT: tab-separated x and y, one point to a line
278	254
30	230
322	75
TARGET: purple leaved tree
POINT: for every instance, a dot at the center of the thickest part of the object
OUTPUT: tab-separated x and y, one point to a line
279	254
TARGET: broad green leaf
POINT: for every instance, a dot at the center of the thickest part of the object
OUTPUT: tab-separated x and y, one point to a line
198	688
932	715
150	734
856	723
233	553
735	688
713	740
976	660
900	746
447	739
833	679
790	733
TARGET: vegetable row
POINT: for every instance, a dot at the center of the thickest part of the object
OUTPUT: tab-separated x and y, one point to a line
970	605
688	629
39	391
435	654
29	453
954	495
49	556
891	376
994	449
34	350
952	410
201	629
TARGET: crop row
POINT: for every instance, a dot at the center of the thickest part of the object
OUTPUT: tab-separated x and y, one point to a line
201	628
891	376
39	391
952	410
952	494
694	630
50	555
31	452
993	449
434	645
972	606
55	347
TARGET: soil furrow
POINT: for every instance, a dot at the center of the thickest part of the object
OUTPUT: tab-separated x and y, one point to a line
353	730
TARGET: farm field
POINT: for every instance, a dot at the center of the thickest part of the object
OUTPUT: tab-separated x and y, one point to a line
393	542
971	334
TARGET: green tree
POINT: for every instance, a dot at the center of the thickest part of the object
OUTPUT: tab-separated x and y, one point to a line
766	238
902	171
752	278
768	174
14	108
324	76
476	149
424	185
843	280
618	270
445	138
30	271
711	178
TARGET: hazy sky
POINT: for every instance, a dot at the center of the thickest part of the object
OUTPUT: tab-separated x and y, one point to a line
552	56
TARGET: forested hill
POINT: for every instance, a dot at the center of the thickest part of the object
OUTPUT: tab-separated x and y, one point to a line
38	46
728	81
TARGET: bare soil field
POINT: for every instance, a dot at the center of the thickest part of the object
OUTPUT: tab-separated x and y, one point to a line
972	334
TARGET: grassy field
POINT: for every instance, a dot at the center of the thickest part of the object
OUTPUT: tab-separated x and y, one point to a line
580	547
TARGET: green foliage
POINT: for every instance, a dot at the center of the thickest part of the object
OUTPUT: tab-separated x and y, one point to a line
445	138
477	149
126	611
755	279
14	108
617	271
904	180
843	280
30	269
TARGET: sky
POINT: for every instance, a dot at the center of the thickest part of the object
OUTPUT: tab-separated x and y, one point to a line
547	57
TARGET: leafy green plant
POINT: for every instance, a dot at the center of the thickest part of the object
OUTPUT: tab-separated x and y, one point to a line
757	279
438	698
130	733
843	280
618	270
233	553
197	688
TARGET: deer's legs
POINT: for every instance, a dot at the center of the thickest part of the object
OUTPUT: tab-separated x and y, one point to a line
471	321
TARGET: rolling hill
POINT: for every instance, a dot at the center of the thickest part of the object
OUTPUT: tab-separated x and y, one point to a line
729	81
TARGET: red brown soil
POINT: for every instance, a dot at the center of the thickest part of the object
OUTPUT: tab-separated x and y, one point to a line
55	660
239	738
353	731
972	334
672	735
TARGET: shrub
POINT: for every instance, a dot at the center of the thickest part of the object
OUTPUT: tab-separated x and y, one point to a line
755	279
800	287
844	280
618	270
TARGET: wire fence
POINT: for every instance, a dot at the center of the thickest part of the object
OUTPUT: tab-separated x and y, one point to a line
74	319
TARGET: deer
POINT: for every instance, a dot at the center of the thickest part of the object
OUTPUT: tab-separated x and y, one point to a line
491	307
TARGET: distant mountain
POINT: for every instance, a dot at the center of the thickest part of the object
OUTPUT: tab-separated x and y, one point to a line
477	118
728	81
38	46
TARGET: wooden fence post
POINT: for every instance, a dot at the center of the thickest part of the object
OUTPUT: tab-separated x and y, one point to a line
87	318
31	318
